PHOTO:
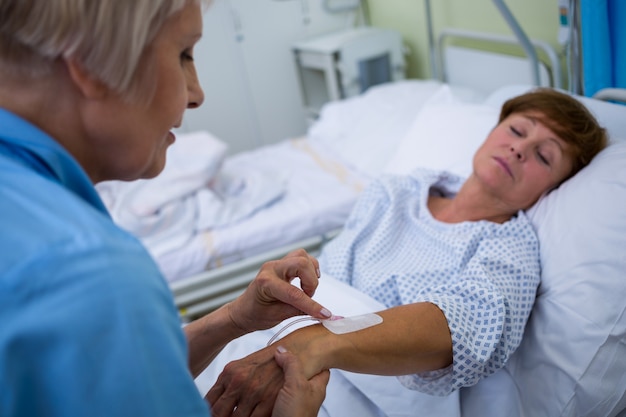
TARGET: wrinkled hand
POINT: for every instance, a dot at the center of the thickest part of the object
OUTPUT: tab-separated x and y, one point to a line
250	384
271	298
299	396
256	386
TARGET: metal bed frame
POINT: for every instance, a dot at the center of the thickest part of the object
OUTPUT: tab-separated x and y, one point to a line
529	47
206	291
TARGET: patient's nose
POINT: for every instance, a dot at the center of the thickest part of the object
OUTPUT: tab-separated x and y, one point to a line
519	152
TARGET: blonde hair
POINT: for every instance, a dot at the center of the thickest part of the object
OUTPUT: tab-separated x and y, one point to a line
107	37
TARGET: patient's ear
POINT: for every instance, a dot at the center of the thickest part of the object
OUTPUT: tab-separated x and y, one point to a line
90	86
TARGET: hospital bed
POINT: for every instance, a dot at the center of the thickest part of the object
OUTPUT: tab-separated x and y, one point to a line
572	360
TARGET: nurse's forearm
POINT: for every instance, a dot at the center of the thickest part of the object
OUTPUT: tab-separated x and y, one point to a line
207	336
412	338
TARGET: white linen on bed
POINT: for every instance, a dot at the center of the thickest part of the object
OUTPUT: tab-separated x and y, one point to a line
190	194
320	192
581	300
204	209
444	135
192	162
364	131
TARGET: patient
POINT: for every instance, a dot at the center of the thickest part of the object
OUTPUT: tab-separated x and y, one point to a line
455	262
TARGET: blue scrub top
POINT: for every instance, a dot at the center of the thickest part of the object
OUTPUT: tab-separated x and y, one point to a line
88	326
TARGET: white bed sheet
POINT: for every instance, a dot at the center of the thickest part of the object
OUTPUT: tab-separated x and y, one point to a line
319	195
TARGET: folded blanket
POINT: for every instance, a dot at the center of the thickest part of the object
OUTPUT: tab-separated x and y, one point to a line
192	194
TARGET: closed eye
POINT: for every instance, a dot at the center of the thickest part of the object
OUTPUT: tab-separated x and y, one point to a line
543	159
515	131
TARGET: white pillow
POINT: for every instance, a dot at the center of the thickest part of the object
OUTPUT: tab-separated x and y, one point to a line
572	360
444	136
363	131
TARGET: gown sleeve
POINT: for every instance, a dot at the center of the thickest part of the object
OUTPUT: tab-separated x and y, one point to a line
486	309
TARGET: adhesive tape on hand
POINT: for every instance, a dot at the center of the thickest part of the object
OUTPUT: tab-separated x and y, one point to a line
352	324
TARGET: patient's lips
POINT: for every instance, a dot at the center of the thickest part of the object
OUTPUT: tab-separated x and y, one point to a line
504	165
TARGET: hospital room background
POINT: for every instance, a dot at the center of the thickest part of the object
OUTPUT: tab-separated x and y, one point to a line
253	96
249	73
306	101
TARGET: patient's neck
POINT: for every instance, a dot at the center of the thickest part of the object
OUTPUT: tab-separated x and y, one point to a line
455	210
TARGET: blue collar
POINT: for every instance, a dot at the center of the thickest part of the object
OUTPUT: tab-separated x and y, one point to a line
34	148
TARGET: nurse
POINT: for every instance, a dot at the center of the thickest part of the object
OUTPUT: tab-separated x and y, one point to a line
90	91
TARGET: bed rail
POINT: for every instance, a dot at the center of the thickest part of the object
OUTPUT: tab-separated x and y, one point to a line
197	295
611	94
555	64
521	39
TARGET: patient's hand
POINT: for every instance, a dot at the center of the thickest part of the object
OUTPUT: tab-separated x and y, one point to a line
271	298
251	384
299	396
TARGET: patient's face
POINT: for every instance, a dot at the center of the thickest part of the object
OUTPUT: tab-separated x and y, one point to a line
521	159
131	138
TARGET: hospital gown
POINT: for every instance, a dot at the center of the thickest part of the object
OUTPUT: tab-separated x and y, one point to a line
482	275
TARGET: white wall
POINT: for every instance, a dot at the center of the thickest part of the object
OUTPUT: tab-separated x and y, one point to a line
247	70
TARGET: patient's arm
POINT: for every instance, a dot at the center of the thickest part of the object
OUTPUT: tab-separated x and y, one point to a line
267	301
411	339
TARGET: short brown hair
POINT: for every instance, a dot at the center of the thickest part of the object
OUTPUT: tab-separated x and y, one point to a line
567	117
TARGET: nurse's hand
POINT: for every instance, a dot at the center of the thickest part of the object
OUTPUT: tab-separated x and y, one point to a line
271	298
248	386
257	386
299	396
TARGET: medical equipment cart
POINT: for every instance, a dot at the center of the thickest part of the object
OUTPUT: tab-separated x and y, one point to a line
345	63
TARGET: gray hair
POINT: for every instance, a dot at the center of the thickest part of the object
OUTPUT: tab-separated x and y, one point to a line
107	37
